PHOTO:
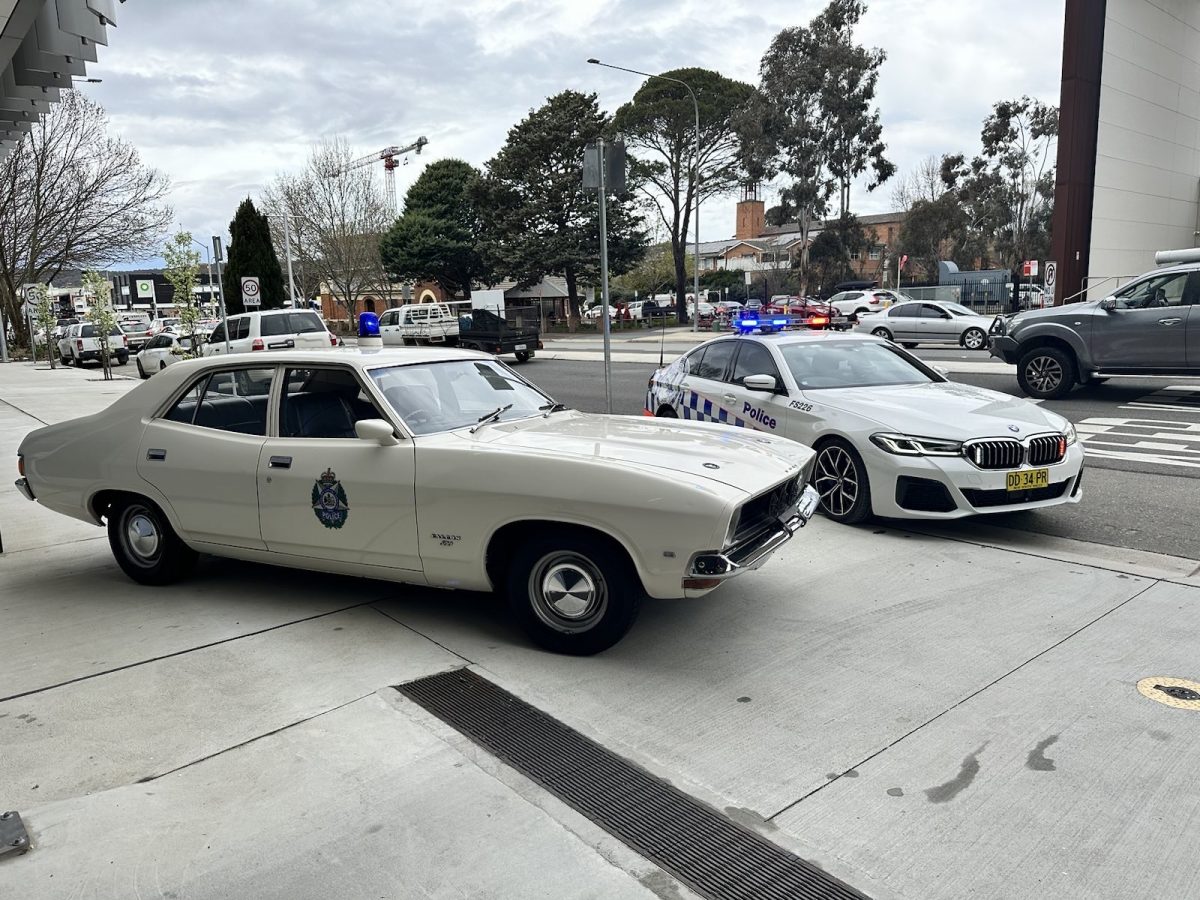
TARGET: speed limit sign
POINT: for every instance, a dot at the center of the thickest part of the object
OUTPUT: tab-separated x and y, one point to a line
250	293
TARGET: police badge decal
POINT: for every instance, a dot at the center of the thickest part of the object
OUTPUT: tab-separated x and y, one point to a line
329	502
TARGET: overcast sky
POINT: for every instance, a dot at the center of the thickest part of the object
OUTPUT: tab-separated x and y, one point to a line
223	94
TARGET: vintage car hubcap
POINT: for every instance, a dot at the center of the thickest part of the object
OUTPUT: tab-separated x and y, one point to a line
1045	373
141	536
568	592
836	480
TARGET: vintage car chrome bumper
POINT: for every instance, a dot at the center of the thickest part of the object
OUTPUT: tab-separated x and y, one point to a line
24	488
708	569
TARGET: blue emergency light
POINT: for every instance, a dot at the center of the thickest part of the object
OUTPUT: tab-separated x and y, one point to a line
368	325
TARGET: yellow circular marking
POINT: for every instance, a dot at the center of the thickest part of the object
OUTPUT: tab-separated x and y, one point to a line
1151	688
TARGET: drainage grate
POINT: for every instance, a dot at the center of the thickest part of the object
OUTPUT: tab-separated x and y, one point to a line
703	849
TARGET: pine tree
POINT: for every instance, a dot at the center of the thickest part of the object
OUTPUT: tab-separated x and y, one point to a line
251	253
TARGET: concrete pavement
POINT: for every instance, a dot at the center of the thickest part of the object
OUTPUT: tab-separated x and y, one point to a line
923	716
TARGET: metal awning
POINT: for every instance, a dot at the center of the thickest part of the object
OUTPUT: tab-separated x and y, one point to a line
44	46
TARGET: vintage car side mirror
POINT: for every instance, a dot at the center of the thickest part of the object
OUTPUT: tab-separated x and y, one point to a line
376	430
759	383
1108	304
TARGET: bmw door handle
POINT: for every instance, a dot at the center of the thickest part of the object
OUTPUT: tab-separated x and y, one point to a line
279	462
1173	321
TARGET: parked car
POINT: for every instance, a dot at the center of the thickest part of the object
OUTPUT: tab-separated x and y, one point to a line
164	323
852	303
138	330
419	323
271	329
164	349
482	329
593	313
1151	326
928	322
434	467
893	436
80	344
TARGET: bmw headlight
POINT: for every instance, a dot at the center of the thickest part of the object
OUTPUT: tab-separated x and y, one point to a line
1069	434
912	445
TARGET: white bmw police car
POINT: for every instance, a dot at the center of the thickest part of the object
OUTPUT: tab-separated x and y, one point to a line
893	436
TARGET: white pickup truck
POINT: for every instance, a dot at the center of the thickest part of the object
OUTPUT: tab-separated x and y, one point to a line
419	323
80	344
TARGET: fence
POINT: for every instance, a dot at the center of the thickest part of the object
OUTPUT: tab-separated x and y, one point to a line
987	298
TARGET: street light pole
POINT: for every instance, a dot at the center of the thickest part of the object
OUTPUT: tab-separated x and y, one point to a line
696	169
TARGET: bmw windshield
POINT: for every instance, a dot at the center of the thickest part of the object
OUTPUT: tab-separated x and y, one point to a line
443	396
841	364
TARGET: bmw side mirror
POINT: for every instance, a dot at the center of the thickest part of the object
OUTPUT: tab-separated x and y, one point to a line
764	383
376	430
1108	304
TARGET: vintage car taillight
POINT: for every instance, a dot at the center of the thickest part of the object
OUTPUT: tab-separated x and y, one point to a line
258	344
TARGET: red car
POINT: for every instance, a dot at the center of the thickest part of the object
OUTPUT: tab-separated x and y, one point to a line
814	314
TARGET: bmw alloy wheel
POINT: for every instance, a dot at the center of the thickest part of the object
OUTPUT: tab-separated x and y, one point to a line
1044	373
836	480
568	592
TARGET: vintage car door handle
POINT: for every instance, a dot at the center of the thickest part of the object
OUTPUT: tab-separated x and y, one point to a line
1174	321
279	462
156	455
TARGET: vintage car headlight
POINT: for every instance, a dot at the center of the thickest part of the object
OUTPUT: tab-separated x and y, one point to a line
911	445
1069	434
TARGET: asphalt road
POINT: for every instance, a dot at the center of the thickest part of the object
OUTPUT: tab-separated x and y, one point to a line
1132	502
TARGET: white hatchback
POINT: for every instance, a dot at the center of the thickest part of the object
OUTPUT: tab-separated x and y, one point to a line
271	329
163	349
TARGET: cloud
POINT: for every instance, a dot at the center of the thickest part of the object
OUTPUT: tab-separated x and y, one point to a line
223	94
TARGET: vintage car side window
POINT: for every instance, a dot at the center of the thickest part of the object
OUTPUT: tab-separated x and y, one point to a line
233	400
323	403
755	359
716	360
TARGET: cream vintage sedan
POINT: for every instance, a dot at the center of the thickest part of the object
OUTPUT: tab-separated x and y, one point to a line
441	468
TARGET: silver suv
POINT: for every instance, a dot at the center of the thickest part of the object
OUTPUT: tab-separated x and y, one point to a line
1151	326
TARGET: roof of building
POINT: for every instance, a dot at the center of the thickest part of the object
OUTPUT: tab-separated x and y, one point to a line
45	46
874	219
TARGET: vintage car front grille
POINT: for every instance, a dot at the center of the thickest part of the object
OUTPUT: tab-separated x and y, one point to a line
766	509
1000	453
1048	449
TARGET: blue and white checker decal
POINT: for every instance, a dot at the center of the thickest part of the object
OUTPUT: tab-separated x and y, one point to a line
694	407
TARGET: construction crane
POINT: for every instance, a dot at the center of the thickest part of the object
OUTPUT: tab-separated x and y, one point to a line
388	155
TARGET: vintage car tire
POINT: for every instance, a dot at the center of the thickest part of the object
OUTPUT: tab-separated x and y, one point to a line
882	333
1046	373
975	339
836	458
522	356
599	598
145	545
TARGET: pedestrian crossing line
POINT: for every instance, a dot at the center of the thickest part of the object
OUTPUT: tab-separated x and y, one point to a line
1143	457
1159	441
1173	398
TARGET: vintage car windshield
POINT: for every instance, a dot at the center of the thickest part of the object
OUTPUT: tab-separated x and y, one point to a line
442	396
840	364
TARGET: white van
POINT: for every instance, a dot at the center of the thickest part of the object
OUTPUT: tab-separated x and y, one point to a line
419	323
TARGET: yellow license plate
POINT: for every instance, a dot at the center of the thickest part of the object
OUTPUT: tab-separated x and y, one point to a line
1027	479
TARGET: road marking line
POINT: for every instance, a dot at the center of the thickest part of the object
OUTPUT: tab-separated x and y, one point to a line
1142	458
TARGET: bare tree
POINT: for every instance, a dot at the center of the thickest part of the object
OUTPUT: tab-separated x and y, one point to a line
338	217
74	196
923	183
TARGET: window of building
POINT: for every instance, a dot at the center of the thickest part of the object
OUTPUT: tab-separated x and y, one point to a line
876	253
